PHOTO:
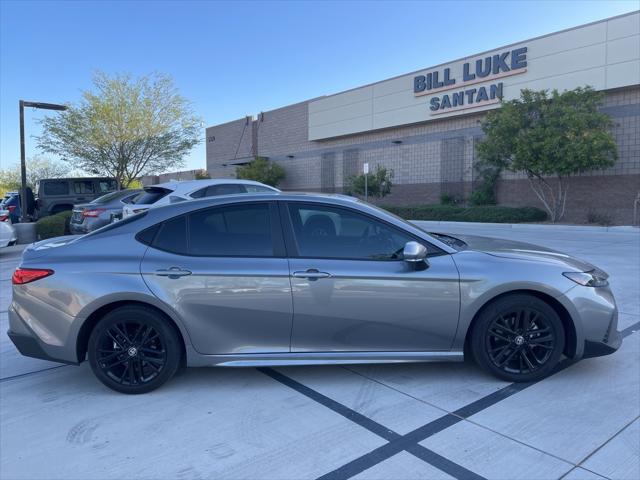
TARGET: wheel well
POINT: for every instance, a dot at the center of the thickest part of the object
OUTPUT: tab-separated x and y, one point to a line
91	321
567	322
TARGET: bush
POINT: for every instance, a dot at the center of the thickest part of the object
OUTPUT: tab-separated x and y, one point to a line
53	225
261	170
485	214
447	199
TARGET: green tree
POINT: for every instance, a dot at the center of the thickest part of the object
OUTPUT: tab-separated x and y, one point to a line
261	170
378	183
126	128
202	174
38	167
550	138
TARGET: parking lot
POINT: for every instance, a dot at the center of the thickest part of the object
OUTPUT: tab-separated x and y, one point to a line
408	421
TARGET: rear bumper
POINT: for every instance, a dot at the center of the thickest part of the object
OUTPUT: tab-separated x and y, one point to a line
30	347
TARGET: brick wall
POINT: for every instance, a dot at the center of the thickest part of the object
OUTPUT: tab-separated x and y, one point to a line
428	159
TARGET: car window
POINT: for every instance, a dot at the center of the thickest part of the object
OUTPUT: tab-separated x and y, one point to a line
239	230
56	188
172	236
107	186
130	198
83	186
224	189
151	195
199	193
257	189
323	231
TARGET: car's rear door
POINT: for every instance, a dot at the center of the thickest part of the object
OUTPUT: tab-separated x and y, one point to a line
224	270
353	292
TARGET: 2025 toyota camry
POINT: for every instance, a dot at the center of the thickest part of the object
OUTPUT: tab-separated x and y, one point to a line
255	280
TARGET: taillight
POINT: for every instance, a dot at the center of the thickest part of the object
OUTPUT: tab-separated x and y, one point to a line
26	275
11	208
4	218
95	212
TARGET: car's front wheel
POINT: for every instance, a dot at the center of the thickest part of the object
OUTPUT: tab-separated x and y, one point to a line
519	338
133	349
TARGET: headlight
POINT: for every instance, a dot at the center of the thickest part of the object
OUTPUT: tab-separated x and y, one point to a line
588	279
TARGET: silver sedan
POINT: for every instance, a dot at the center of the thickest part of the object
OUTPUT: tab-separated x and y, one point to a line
291	279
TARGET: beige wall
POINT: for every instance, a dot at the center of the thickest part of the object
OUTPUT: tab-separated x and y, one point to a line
605	55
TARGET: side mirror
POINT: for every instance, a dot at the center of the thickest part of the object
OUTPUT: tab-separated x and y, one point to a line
414	252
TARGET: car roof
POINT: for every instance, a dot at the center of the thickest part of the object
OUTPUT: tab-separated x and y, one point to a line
165	212
184	186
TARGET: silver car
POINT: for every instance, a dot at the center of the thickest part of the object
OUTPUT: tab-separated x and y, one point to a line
291	279
87	217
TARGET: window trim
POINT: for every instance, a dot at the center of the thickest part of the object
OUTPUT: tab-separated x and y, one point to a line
292	244
279	248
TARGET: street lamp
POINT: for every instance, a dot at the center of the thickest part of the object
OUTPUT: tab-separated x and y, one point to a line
23	165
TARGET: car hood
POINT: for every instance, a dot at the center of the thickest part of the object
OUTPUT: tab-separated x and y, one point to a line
503	248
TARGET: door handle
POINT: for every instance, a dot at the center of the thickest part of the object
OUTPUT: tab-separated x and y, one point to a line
311	274
173	272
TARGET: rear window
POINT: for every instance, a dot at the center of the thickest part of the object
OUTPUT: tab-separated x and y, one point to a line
151	195
56	188
118	224
106	198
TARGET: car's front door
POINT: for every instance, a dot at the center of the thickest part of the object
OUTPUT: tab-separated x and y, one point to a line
223	269
353	292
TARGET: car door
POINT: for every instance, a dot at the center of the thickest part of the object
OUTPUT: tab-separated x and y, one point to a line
223	269
353	292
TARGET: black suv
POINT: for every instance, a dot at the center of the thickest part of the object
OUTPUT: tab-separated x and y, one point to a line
55	195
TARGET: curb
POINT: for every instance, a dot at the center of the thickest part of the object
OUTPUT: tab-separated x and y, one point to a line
530	226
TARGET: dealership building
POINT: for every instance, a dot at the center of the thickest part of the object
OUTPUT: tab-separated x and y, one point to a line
425	125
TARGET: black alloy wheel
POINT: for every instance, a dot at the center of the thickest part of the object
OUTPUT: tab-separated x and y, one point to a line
134	350
518	338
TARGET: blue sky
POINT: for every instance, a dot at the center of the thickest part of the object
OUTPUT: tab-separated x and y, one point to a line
238	58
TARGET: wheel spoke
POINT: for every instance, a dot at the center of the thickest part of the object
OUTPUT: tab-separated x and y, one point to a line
493	333
523	355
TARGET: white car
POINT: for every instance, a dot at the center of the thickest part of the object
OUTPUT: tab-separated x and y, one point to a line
179	191
8	234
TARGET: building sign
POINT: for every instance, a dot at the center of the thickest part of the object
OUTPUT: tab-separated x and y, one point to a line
505	64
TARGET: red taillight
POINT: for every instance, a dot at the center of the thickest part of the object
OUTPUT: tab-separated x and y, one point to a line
4	218
11	208
26	275
95	212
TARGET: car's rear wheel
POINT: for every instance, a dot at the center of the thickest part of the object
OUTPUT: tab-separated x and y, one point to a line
133	349
519	338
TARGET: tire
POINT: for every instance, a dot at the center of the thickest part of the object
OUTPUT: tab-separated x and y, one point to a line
133	349
518	338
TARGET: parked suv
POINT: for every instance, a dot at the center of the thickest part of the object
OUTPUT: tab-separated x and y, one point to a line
55	195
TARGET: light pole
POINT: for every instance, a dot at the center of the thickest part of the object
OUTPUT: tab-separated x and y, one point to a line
23	165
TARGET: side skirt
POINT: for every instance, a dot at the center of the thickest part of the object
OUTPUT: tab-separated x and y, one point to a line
195	359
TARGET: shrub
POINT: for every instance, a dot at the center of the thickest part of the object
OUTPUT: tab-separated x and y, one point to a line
379	183
486	214
53	225
447	199
262	170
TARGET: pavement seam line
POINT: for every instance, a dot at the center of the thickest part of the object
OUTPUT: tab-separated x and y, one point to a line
493	398
395	442
579	464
